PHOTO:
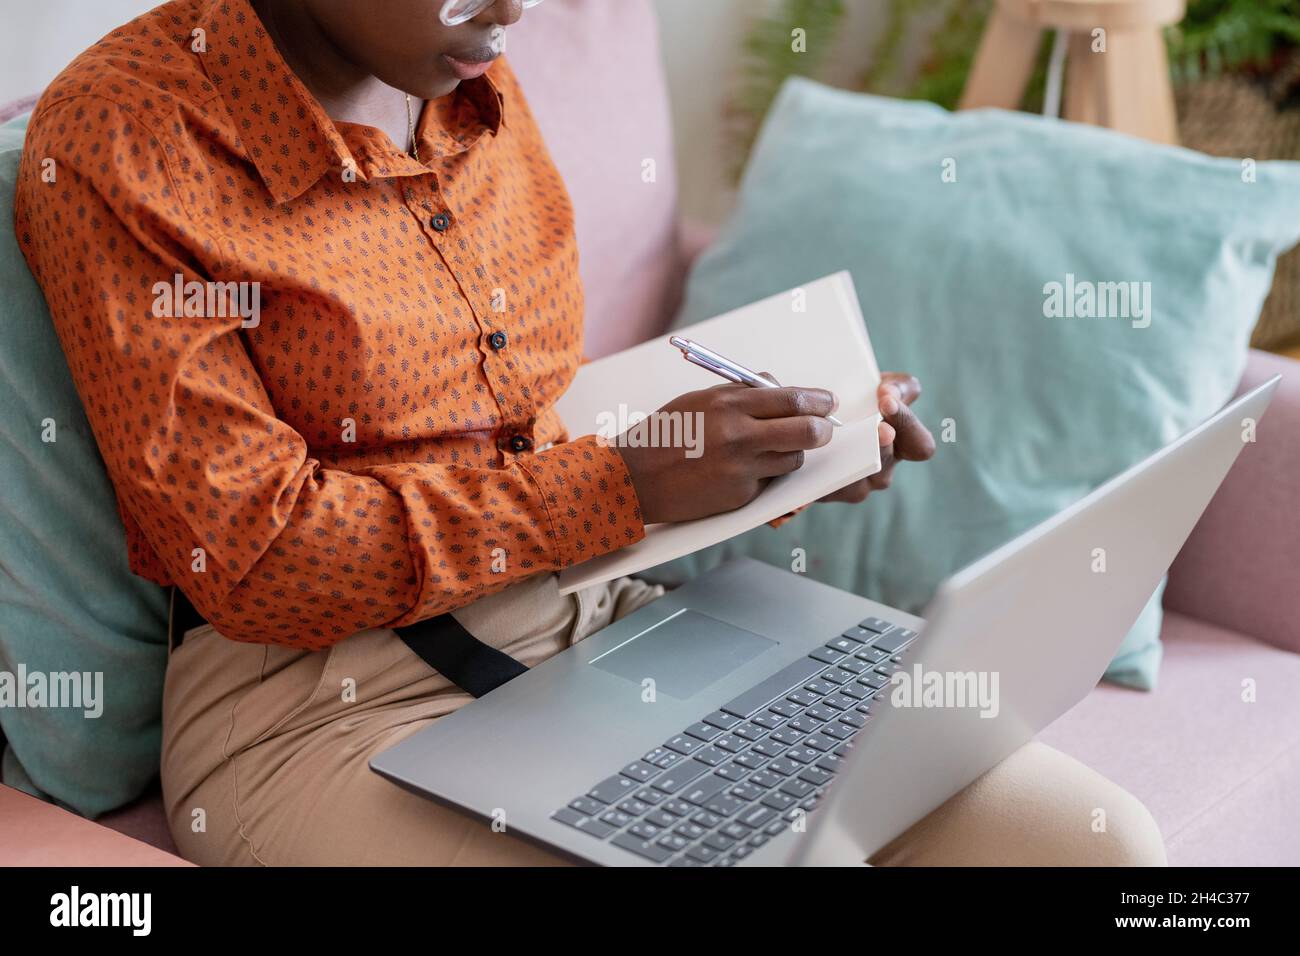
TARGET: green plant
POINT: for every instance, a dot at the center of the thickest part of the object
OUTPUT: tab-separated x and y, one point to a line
1227	35
1216	36
792	40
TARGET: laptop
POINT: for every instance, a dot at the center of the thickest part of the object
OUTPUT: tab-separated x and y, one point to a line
756	717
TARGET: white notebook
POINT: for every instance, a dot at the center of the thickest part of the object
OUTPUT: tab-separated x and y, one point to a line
812	336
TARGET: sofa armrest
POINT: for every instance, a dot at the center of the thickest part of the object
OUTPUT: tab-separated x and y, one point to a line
1240	569
36	833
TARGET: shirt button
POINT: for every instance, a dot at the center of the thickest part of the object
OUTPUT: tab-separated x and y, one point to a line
497	340
520	443
441	222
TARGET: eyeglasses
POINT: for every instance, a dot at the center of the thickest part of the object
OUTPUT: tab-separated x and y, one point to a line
456	12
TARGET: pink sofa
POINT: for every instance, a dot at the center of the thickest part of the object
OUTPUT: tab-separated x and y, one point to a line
1220	775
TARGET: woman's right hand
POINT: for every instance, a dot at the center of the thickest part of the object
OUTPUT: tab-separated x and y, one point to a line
739	439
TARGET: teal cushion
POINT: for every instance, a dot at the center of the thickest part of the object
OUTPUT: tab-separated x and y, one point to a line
954	278
68	601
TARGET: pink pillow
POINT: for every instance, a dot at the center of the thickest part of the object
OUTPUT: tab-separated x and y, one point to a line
592	75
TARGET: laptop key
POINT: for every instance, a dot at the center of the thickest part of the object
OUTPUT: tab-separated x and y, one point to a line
735	831
871	655
678	808
839	702
769	748
647	795
894	641
702	853
821	713
638	771
853	719
802	697
731	744
848	644
703	731
733	772
804	724
660	818
755	699
613	789
796	788
802	755
707	819
644	831
683	744
721	720
700	792
756	817
773	828
837	731
675	778
768	720
788	736
643	848
785	768
746	791
692	831
819	687
818	778
765	781
673	841
856	691
875	624
820	743
616	818
724	805
826	655
778	801
836	676
852	665
661	758
750	731
753	760
785	708
587	806
712	756
586	824
718	841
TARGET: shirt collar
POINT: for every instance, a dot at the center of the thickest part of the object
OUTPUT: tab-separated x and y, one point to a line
291	140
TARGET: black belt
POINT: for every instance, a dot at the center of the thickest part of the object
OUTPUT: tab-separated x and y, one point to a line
441	642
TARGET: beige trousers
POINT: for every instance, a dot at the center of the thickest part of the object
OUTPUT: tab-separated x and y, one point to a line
265	752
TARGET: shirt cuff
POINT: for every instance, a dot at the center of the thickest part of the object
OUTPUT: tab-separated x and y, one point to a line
777	522
589	498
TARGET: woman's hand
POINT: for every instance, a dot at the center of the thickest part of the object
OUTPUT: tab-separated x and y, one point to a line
902	436
740	438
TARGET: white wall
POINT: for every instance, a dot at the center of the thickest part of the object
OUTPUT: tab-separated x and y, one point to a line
701	44
49	33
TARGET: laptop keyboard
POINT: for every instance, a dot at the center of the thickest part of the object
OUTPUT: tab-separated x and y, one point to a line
732	781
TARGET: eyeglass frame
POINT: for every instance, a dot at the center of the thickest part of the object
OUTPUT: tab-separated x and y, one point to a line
474	11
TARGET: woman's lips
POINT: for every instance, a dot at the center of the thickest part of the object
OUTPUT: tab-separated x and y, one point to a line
468	69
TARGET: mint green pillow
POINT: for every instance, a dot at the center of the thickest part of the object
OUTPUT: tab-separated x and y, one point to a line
68	602
954	226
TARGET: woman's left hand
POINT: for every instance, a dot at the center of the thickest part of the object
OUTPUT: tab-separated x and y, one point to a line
902	436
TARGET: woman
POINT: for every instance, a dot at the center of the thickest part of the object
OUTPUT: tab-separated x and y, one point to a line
315	276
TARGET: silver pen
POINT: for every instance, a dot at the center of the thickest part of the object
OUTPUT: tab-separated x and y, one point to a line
732	371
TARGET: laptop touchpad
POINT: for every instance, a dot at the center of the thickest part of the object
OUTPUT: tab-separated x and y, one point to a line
683	654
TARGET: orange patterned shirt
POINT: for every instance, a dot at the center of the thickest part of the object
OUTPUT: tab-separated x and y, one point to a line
353	437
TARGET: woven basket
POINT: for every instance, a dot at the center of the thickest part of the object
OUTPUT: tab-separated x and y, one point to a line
1234	116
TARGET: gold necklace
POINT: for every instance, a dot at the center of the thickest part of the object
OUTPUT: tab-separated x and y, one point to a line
410	128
